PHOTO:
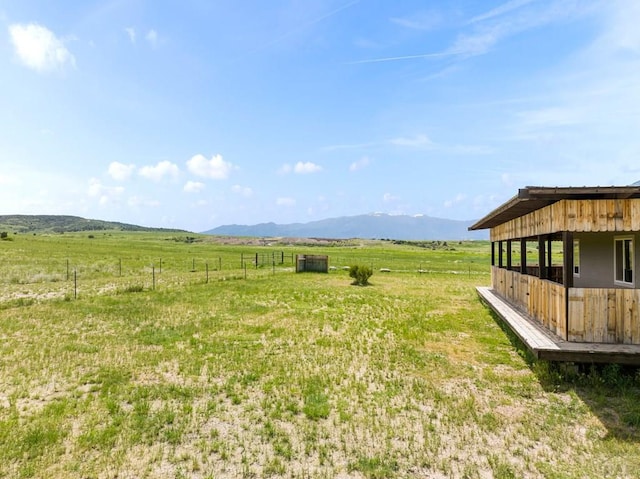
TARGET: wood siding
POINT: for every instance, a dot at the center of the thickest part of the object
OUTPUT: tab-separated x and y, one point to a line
604	315
574	216
541	299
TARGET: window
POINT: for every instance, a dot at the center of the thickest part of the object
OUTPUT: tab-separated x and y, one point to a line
623	257
576	258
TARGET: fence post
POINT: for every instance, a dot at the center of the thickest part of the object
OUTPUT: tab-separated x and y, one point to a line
67	269
75	284
206	267
120	267
219	263
153	276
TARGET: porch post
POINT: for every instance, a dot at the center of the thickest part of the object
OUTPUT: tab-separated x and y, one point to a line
567	254
549	262
567	275
523	256
542	268
493	253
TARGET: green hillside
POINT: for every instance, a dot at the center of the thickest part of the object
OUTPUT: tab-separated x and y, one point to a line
65	224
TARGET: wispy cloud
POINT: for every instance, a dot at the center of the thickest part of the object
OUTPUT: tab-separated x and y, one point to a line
131	32
389	198
304	26
138	201
105	194
349	146
152	38
242	190
419	21
500	10
285	201
418	141
39	48
360	164
488	29
460	197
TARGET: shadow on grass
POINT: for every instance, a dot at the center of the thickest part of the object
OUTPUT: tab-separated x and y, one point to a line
611	391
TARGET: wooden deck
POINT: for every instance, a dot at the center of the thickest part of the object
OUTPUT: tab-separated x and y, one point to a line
545	345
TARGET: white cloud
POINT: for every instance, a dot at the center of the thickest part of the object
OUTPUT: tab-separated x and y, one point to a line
38	48
300	168
215	168
105	194
285	201
119	171
418	141
132	34
389	198
306	168
152	38
242	190
360	164
193	187
159	171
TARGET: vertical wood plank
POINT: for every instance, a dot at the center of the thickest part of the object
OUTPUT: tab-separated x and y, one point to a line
576	314
618	215
635	214
571	214
611	317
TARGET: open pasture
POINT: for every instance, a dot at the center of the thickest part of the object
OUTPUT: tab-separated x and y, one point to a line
142	372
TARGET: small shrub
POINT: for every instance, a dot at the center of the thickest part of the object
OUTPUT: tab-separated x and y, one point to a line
133	288
360	274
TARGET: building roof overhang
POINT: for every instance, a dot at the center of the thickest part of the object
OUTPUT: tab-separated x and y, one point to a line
532	198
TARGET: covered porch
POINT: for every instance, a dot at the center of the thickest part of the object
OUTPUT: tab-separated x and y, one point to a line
547	346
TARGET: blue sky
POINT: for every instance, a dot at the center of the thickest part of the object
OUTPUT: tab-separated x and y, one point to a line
196	113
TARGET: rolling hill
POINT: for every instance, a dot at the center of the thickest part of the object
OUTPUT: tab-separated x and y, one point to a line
400	227
65	224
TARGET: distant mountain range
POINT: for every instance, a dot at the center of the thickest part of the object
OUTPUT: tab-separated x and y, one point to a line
66	224
380	226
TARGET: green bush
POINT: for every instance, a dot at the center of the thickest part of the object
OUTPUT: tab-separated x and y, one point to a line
360	274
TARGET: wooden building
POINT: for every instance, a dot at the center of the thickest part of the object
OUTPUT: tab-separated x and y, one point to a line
568	259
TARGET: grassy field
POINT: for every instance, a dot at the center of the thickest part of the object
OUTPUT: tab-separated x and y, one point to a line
143	370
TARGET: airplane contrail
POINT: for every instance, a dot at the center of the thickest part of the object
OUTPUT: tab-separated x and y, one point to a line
306	25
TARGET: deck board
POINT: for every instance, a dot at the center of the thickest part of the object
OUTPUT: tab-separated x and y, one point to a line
544	344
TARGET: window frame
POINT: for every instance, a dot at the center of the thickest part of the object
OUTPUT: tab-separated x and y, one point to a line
623	239
576	258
